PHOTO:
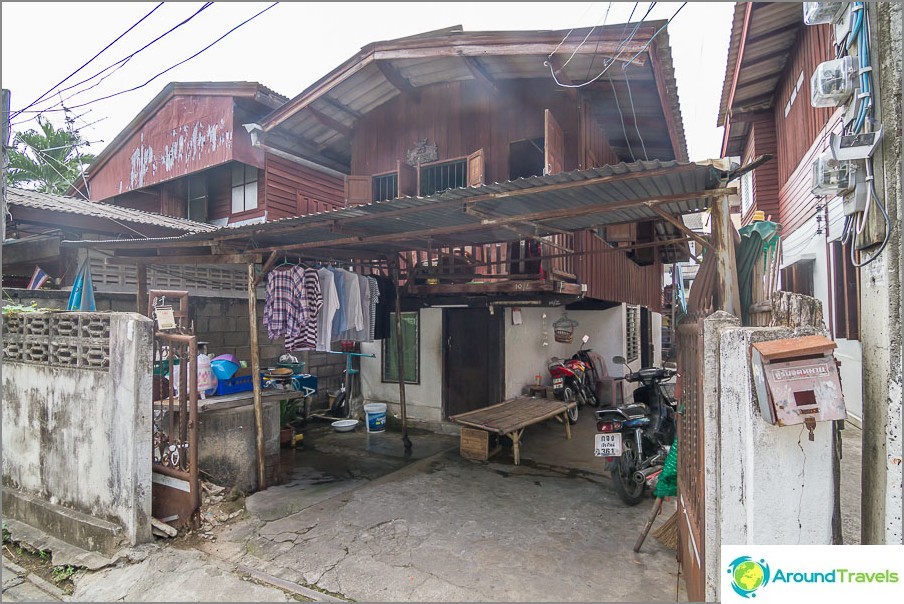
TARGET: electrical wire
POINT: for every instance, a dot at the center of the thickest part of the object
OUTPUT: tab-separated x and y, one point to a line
622	119
114	66
61	82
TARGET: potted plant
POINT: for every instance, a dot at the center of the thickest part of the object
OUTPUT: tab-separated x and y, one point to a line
288	412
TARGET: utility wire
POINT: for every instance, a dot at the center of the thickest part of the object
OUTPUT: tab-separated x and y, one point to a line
109	96
115	66
40	98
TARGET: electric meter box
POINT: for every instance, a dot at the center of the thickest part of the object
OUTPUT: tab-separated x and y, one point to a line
832	83
797	381
822	12
831	176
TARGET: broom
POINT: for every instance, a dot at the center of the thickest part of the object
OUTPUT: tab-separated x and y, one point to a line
667	533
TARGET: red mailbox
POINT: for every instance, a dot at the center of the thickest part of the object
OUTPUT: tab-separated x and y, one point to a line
797	381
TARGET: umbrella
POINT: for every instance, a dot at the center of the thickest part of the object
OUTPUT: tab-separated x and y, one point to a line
82	295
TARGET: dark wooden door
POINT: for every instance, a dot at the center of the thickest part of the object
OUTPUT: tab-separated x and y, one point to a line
554	156
472	359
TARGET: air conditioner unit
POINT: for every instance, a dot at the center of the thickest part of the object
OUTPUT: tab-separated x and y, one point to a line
832	82
822	12
832	177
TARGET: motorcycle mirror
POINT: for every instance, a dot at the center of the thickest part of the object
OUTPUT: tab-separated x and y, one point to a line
670	365
585	339
619	360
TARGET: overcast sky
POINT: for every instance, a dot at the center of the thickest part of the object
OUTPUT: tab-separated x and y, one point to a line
293	44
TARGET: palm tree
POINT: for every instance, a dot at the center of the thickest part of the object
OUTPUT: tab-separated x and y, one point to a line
47	160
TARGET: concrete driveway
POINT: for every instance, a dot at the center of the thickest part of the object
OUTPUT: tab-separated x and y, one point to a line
357	518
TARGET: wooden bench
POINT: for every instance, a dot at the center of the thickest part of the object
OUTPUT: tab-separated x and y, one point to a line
511	417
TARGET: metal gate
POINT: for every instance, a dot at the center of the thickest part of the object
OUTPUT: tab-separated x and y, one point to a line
176	494
691	554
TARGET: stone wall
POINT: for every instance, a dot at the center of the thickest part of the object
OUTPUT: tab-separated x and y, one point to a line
77	426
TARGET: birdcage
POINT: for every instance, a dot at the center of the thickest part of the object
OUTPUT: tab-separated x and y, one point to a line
563	329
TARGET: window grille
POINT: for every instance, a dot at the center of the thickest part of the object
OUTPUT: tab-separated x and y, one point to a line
632	333
746	192
385	187
444	176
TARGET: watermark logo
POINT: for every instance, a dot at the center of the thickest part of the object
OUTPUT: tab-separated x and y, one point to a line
748	575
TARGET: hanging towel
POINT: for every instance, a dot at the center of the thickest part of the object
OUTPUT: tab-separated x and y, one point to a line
82	295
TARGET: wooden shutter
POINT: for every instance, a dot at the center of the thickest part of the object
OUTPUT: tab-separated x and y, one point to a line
554	153
358	190
407	180
475	169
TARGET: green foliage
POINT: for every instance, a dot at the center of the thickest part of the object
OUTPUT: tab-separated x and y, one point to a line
6	534
47	160
62	573
288	411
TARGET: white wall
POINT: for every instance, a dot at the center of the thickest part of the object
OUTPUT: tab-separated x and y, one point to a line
804	243
525	355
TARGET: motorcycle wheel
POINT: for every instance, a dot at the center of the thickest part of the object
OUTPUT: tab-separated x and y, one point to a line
568	396
622	475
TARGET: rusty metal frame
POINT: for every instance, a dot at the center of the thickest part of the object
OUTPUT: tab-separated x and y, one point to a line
176	486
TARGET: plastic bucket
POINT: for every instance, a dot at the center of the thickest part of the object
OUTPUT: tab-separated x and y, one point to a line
376	417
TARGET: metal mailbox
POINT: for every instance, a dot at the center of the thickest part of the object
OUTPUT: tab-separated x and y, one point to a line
797	381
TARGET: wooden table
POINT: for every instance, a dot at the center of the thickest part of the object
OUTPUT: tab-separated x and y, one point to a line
511	417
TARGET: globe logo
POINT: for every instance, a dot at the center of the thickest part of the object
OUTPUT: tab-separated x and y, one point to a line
748	575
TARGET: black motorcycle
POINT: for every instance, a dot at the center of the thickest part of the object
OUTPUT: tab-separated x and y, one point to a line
635	438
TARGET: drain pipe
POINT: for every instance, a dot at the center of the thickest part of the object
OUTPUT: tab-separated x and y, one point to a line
255	130
399	352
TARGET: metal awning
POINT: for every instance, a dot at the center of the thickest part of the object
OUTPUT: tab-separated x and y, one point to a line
541	205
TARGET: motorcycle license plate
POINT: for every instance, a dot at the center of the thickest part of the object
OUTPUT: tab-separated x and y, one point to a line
608	445
557	383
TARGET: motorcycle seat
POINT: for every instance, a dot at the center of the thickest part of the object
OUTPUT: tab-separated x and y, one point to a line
635	410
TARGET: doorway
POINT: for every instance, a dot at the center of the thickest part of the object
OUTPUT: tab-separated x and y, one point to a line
472	359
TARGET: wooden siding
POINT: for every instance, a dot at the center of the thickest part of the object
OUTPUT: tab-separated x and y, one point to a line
612	276
762	141
219	193
188	134
796	201
804	123
595	148
461	118
290	189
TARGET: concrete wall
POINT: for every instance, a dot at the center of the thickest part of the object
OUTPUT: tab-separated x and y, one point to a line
525	355
79	437
881	305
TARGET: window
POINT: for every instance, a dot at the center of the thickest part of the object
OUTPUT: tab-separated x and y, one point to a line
746	192
244	188
846	286
385	187
197	198
632	333
440	177
411	350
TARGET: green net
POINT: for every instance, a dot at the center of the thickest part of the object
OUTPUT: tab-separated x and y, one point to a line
667	485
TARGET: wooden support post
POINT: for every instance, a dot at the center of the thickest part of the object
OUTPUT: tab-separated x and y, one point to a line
142	283
730	299
256	380
400	350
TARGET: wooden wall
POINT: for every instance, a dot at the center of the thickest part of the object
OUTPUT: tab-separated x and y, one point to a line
594	145
761	141
460	118
291	189
612	276
804	123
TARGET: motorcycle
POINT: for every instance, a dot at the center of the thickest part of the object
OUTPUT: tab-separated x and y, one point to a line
635	438
571	381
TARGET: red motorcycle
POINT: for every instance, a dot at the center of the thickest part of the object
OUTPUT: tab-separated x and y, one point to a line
571	382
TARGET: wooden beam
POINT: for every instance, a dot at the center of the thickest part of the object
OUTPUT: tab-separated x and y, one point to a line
331	123
683	228
727	279
396	79
480	74
142	289
400	351
339	106
271	260
182	259
256	381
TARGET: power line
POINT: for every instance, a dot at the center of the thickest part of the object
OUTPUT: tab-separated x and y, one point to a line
114	66
40	98
109	96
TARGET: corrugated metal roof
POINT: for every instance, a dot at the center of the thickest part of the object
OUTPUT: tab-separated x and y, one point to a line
59	204
361	84
771	33
569	201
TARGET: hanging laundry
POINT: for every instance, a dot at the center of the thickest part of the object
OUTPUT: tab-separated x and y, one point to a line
350	313
311	301
385	305
361	335
328	311
283	315
374	299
